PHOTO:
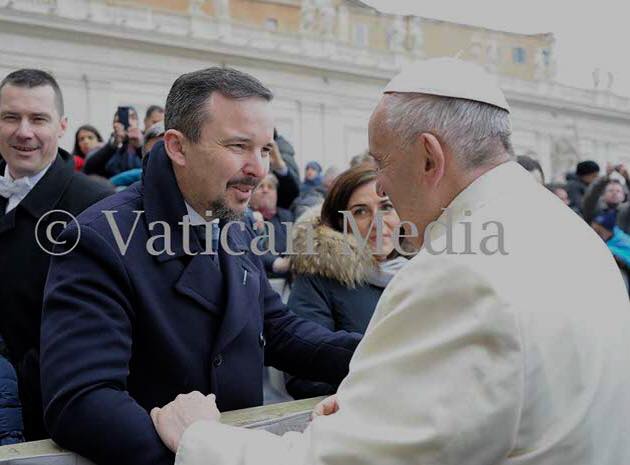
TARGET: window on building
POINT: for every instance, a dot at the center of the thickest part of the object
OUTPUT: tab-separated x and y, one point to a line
518	55
361	35
271	24
546	53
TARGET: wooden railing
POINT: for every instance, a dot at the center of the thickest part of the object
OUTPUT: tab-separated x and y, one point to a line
277	418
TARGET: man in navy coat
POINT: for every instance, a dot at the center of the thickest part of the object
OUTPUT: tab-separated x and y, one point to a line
138	312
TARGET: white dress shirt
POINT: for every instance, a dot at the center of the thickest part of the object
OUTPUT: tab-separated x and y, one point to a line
30	183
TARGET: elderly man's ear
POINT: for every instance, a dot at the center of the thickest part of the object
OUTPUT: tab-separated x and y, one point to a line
434	154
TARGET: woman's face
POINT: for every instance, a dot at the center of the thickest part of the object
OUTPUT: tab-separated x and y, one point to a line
87	141
363	205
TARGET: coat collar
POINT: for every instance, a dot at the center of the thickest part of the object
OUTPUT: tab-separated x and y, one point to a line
163	201
499	181
335	255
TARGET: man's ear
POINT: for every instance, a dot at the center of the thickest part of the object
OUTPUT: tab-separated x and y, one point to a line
63	125
435	162
174	143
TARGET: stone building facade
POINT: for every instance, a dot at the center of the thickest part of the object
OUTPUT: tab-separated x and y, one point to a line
325	60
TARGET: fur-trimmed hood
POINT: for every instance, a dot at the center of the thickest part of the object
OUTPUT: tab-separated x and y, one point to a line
337	256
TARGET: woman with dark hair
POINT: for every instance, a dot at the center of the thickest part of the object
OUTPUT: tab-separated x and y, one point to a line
86	139
339	285
532	166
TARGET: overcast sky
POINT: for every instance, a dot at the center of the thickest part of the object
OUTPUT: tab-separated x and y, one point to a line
588	33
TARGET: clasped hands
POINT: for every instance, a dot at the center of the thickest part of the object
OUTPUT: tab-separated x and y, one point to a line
172	420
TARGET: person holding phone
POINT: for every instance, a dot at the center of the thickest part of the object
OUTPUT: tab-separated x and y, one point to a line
124	148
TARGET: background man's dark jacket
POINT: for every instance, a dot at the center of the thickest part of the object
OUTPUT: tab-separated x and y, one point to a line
23	270
122	334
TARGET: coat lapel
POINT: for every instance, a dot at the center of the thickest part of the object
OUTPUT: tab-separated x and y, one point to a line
203	282
231	291
242	281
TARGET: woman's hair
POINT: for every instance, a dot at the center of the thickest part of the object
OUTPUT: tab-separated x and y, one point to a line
85	127
340	192
530	164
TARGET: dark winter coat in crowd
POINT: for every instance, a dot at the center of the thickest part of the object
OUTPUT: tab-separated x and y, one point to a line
11	426
593	205
280	236
123	333
330	288
289	183
109	160
24	267
576	188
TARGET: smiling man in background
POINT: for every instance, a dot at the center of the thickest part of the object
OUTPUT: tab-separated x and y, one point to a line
36	176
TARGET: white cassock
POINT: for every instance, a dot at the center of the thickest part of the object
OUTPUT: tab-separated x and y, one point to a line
476	359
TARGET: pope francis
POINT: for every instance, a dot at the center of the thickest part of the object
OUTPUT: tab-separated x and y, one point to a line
505	340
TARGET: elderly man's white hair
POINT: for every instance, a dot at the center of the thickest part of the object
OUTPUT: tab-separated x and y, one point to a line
475	132
455	100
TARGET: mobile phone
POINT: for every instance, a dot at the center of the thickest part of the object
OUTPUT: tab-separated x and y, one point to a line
123	116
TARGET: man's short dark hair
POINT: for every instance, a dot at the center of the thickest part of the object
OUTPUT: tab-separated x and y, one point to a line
153	108
35	78
185	104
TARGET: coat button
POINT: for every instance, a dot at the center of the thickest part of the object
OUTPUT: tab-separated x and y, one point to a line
218	360
261	340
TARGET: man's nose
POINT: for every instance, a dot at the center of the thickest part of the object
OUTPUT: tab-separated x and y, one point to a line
24	130
257	165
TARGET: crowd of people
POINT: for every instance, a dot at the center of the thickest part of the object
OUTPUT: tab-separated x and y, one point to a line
601	199
93	340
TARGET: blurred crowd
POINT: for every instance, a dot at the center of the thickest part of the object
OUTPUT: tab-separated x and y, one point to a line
600	197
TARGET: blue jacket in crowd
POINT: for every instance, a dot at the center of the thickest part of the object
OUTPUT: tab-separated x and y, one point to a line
11	425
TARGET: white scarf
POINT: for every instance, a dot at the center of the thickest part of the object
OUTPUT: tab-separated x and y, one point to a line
385	271
16	189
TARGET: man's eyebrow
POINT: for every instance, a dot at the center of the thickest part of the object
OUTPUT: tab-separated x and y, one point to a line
235	139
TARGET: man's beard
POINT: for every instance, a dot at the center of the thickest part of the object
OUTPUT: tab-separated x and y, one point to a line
221	210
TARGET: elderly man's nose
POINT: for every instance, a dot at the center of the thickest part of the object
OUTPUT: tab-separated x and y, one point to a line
379	189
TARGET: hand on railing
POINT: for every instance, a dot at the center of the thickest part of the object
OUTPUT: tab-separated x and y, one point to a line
175	417
328	406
